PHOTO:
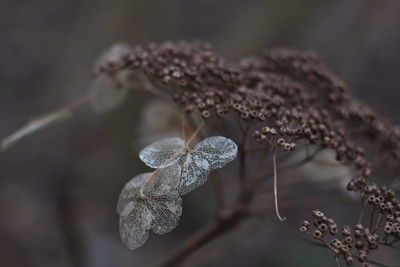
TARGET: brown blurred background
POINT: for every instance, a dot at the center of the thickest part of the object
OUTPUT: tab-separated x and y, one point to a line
59	187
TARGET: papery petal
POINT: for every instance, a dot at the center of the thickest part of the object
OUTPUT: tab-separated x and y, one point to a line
163	199
163	182
109	93
134	228
217	150
163	153
195	169
113	53
131	190
166	212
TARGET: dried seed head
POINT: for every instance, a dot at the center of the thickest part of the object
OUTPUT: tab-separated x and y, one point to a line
336	243
349	260
323	227
317	234
333	229
317	214
303	228
280	142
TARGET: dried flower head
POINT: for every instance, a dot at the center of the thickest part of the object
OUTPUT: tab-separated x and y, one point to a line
108	92
356	243
152	200
274	89
196	163
288	100
149	201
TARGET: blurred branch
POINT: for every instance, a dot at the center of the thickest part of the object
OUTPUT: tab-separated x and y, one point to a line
34	126
210	232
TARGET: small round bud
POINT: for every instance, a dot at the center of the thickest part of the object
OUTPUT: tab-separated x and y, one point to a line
317	214
349	260
348	240
206	114
333	229
303	229
336	243
280	142
346	231
286	147
317	234
359	244
323	227
371	239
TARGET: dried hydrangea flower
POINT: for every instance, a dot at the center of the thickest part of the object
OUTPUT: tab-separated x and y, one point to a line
108	92
149	201
211	153
163	153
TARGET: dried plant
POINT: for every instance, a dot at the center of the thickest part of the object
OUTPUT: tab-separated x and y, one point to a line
152	200
356	243
278	104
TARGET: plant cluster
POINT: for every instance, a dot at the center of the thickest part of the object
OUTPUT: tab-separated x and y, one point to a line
153	200
278	104
287	99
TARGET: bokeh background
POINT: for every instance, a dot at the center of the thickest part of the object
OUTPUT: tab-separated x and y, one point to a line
59	187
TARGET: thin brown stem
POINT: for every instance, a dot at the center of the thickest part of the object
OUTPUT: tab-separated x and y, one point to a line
276	187
184	125
196	132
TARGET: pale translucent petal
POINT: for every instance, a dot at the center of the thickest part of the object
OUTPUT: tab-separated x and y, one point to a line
150	201
134	228
130	192
108	93
113	54
163	182
164	201
163	153
166	212
195	169
217	150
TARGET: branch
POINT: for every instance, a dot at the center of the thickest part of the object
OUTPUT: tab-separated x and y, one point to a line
276	187
203	236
